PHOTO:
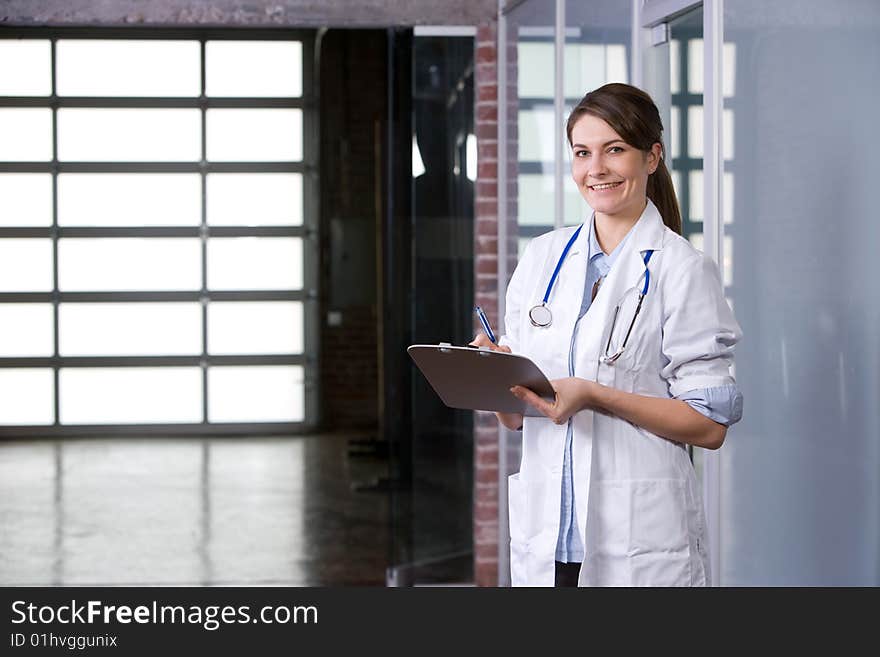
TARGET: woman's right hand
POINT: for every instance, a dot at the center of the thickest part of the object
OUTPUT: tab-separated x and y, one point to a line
512	421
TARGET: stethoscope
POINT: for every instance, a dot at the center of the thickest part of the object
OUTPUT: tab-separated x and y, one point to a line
541	317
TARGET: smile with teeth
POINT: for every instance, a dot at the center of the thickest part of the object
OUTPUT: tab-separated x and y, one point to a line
600	187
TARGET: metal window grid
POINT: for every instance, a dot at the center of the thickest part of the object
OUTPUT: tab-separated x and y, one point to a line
309	232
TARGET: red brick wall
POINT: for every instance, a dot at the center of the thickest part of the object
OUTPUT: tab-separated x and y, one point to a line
486	293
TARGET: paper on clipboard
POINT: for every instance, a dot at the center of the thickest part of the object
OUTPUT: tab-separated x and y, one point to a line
480	379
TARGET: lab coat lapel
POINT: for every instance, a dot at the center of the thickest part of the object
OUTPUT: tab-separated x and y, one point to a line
567	293
628	271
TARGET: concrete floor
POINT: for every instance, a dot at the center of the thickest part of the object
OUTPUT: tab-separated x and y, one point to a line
191	511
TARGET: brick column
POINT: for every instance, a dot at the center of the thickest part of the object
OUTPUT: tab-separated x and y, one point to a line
486	293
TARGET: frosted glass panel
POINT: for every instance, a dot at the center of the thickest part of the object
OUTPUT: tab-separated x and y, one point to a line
27	396
253	68
535	67
536	205
112	135
25	67
697	205
130	395
26	329
129	264
255	199
25	199
25	265
695	66
695	131
254	263
247	135
25	134
536	134
255	327
129	199
123	67
800	501
589	66
130	329
256	394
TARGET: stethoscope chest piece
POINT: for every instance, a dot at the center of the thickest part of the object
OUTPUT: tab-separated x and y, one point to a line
540	316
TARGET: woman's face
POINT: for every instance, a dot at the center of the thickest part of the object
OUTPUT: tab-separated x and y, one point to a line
611	175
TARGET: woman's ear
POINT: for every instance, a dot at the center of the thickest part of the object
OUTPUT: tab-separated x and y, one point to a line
654	156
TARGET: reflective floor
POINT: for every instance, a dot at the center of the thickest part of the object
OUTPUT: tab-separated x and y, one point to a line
191	511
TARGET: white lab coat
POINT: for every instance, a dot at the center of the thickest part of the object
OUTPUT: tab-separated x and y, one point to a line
637	500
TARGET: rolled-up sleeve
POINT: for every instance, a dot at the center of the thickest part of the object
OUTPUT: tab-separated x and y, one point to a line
723	404
699	329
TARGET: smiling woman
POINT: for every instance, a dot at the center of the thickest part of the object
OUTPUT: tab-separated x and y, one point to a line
639	352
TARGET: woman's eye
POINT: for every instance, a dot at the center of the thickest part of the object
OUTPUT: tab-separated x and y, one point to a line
615	149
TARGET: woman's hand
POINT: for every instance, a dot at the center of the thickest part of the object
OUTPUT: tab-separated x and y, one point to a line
512	421
572	395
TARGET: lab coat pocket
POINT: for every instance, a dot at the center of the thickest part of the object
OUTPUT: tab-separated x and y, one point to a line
659	545
641	536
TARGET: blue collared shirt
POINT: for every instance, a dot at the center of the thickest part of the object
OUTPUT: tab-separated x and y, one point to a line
722	404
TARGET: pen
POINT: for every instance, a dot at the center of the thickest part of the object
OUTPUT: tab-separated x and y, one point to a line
485	322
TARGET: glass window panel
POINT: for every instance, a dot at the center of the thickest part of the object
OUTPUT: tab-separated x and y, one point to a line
130	329
536	134
535	194
727	197
25	265
535	65
536	205
28	396
728	70
255	327
255	263
695	183
255	199
25	134
727	133
585	68
125	67
674	67
674	132
253	68
256	394
616	68
25	199
129	134
695	130
129	263
26	329
248	135
130	395
129	199
25	67
695	66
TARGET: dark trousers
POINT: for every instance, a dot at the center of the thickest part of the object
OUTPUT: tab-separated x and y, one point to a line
567	573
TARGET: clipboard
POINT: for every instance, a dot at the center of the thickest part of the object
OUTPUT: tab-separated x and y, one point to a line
480	379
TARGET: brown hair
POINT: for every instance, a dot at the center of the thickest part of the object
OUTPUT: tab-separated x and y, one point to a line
634	116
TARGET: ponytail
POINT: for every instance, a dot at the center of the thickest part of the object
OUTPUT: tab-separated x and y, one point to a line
662	194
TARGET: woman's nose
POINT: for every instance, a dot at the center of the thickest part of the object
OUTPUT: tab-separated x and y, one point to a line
597	166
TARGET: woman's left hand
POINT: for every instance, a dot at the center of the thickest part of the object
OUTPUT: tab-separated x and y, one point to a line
572	395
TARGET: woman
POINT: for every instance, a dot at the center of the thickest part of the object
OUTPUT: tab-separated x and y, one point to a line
636	337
